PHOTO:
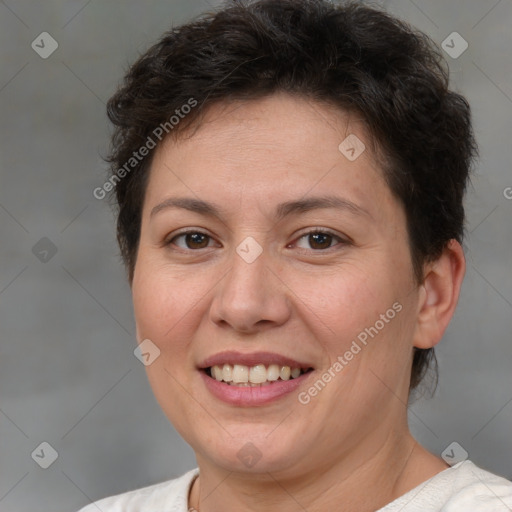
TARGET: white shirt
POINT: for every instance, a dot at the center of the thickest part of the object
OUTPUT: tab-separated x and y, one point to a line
462	488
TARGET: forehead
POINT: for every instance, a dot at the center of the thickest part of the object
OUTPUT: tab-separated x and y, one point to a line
261	151
281	123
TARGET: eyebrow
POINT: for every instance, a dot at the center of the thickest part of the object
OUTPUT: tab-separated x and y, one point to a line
283	210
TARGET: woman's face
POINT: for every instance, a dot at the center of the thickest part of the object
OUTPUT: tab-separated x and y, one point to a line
298	256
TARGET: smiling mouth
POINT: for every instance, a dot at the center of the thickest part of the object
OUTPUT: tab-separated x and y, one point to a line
253	376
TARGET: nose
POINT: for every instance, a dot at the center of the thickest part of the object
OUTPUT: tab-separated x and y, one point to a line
251	297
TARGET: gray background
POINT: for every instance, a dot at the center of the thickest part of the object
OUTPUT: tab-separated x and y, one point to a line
68	375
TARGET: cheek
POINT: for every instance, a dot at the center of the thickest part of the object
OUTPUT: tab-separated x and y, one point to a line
164	309
163	300
366	302
348	297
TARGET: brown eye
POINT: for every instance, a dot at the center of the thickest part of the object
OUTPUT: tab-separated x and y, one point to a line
318	240
192	240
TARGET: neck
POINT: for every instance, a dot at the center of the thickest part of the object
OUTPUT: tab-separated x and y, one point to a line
349	485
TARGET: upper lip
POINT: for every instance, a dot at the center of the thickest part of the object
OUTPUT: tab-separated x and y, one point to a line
251	359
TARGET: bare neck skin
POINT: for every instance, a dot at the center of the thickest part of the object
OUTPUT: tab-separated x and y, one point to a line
348	486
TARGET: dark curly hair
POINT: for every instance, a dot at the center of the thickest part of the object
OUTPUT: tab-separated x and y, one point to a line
350	56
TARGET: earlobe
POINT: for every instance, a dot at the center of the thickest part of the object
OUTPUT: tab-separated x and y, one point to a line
439	295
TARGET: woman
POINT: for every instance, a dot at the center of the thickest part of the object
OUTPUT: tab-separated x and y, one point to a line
290	179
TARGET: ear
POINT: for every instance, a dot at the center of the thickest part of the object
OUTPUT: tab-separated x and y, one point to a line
439	295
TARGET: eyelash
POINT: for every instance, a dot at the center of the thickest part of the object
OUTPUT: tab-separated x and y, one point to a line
315	231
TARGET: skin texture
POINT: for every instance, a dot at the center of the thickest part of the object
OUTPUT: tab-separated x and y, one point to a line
349	448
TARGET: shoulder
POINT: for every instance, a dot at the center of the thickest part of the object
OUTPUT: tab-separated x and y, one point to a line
479	490
462	488
171	495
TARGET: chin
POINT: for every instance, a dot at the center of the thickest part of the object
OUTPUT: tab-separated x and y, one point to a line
252	450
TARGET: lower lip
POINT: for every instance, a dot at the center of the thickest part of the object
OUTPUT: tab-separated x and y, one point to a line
250	396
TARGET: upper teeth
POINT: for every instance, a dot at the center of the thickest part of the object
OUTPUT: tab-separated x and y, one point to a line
259	374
